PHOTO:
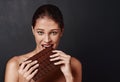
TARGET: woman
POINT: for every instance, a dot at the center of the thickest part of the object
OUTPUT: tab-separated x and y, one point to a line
47	28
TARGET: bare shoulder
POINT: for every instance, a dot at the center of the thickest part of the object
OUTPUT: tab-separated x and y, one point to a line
14	61
76	68
11	73
75	63
12	67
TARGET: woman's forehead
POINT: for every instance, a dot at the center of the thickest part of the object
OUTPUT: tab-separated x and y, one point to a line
46	23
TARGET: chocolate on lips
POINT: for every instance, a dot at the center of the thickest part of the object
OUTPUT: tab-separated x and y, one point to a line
46	67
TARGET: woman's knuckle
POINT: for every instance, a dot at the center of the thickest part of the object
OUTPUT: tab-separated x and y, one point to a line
24	75
19	72
69	56
27	78
28	65
23	64
59	57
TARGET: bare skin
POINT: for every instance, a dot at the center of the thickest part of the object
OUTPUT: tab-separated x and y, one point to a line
46	33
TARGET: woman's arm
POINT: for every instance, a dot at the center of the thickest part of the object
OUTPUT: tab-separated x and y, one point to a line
11	74
76	67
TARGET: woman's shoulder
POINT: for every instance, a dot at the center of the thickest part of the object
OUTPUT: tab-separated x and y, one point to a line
76	69
14	61
12	66
75	62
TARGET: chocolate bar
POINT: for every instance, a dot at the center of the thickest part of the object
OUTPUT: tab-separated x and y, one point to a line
46	67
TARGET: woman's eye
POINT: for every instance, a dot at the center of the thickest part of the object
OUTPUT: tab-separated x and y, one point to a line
54	33
40	32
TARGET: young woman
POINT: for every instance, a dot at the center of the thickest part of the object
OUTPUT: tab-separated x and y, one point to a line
47	28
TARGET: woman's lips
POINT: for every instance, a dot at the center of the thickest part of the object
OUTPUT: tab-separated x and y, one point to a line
46	45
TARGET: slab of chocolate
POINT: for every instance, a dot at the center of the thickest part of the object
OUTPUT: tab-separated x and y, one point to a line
46	67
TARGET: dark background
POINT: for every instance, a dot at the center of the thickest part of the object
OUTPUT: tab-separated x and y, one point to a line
91	34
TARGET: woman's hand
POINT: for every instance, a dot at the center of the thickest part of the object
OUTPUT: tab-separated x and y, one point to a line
27	70
62	59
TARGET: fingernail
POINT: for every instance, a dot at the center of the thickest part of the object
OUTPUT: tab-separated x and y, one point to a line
55	63
51	55
37	64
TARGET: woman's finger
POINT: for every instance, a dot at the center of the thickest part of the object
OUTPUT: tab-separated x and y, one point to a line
57	53
59	63
29	65
23	64
29	72
33	68
54	55
56	58
32	74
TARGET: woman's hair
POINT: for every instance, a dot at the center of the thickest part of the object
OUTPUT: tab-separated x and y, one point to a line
50	11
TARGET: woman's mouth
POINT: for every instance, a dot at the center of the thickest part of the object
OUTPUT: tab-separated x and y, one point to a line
47	45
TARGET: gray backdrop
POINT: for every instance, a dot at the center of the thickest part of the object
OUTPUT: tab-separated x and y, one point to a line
91	34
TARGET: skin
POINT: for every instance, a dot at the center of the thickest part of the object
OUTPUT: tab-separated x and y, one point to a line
47	33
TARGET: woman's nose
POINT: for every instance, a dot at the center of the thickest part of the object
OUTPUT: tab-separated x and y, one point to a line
47	39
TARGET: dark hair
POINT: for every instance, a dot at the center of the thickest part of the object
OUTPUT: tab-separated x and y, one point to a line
50	11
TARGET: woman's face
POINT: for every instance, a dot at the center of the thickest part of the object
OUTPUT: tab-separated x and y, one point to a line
47	33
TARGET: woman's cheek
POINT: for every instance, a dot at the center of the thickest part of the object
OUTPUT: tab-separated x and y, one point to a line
38	40
56	42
